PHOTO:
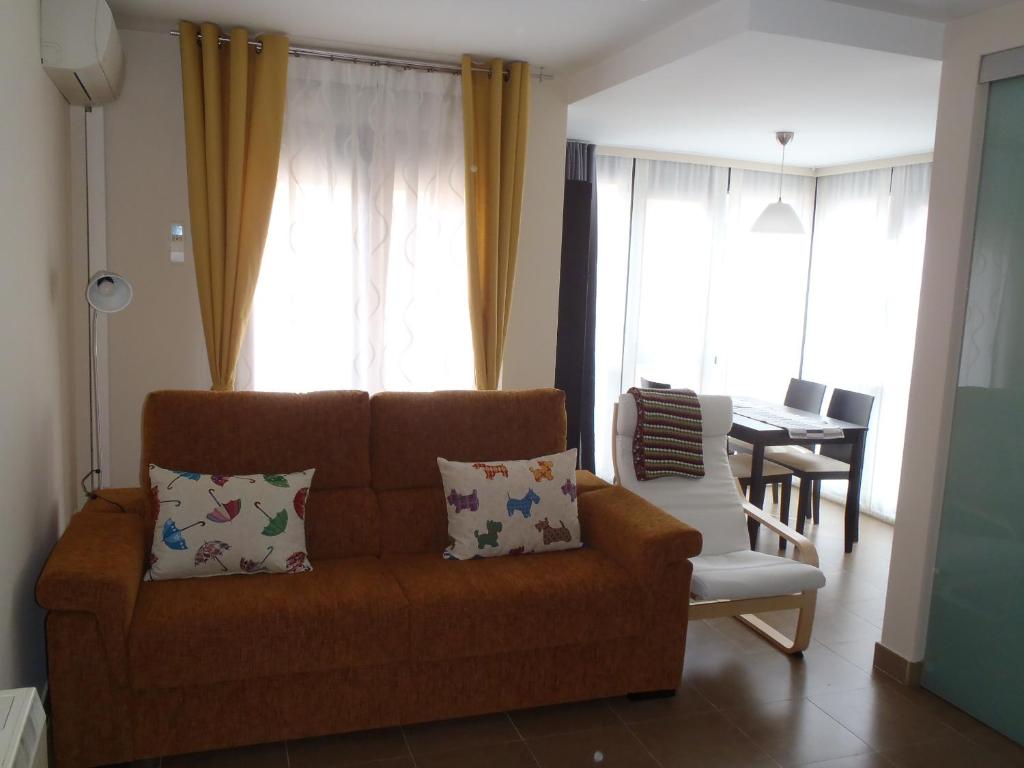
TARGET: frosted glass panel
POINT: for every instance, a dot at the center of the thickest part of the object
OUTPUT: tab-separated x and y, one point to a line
976	630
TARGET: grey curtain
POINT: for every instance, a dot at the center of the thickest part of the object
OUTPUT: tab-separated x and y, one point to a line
577	299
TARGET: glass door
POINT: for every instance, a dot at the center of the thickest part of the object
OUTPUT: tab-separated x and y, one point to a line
976	629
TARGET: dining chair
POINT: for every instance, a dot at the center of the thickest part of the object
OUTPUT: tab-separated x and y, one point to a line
648	384
729	579
832	462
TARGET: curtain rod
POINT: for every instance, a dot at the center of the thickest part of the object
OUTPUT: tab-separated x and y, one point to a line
374	59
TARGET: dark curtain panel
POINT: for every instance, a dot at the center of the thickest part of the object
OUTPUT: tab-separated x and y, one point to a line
577	299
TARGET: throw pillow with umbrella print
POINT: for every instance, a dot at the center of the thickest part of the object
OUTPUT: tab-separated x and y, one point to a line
216	524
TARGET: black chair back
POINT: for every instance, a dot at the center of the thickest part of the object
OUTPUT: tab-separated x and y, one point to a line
805	395
853	407
648	384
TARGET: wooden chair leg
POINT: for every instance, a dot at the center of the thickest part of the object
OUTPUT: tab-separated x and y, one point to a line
804	623
803	507
775	493
817	501
787	491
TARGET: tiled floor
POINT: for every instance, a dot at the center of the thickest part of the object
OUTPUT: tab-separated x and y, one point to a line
740	704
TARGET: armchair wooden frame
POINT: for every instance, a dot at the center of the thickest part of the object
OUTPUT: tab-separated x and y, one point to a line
745	609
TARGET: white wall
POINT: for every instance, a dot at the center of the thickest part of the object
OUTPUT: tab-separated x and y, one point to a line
35	375
157	342
940	320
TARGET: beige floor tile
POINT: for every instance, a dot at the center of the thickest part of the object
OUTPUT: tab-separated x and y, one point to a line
446	735
347	749
701	741
795	732
611	747
563	718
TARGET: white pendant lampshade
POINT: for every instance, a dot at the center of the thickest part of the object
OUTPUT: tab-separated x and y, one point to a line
108	292
779	218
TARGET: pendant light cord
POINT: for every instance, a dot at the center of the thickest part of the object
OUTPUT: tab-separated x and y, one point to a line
782	169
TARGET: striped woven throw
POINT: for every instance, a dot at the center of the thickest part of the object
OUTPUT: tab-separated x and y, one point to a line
668	441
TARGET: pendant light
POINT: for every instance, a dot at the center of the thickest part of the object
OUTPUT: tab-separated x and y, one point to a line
779	217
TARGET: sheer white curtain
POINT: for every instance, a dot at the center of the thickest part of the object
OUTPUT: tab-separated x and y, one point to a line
758	308
677	228
614	202
862	306
363	283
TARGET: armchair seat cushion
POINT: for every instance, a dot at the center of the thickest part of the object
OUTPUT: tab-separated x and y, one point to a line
467	608
345	613
747	574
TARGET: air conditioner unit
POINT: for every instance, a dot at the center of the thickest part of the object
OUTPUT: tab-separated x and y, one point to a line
22	730
81	50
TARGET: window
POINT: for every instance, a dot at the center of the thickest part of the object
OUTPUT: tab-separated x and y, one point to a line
363	283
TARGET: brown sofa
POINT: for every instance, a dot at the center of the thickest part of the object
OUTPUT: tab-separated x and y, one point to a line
384	630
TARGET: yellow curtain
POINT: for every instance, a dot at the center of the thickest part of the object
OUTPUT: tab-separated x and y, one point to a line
495	111
234	111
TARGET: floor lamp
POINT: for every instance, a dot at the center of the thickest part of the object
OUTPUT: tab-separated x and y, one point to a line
106	292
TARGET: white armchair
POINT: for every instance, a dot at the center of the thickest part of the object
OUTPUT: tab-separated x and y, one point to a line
729	579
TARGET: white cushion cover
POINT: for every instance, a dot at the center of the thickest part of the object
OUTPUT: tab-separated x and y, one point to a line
748	574
710	504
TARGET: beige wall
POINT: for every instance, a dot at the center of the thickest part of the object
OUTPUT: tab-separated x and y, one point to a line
157	342
35	283
940	324
530	346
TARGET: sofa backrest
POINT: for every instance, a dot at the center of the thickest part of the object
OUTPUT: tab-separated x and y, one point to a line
241	433
409	431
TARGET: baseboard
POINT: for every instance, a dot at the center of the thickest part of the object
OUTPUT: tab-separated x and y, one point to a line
890	663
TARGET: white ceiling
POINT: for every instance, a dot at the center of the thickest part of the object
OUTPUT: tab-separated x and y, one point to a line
939	10
557	34
845	104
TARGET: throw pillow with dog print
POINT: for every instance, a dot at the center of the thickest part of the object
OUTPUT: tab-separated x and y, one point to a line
510	507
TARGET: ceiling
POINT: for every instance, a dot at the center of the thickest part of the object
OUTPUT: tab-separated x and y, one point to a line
845	104
558	35
938	10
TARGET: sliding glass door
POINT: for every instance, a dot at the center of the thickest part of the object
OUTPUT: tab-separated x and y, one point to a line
976	629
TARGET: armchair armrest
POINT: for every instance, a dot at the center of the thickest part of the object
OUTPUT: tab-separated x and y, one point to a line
120	500
641	537
805	550
96	567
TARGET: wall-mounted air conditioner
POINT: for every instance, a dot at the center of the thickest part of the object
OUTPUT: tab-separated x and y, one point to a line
81	50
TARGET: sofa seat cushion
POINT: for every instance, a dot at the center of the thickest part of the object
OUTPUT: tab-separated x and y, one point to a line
744	573
467	608
345	613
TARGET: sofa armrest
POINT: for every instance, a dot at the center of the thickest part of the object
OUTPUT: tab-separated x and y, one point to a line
134	500
641	537
588	481
96	568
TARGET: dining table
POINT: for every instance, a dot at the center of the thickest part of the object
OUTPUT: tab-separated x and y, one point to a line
762	423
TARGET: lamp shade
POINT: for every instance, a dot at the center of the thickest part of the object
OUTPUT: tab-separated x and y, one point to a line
108	292
778	218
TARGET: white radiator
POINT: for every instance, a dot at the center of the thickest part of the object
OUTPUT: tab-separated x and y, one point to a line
22	730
